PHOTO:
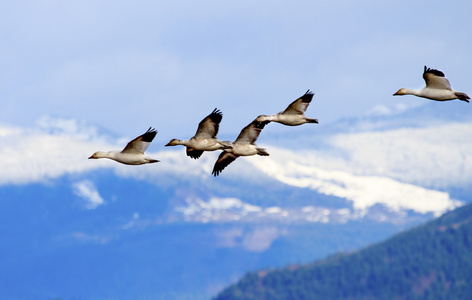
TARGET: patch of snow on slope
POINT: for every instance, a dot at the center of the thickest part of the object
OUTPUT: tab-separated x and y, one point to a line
364	191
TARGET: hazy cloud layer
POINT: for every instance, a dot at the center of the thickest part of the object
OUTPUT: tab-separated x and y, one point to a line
223	210
436	156
400	168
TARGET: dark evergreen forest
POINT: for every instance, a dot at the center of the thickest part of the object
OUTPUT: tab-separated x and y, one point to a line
432	261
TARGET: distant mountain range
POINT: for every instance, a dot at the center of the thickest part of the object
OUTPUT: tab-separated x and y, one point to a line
80	229
149	242
432	261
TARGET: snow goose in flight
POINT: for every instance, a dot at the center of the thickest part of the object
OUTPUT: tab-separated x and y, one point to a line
437	88
244	145
294	114
133	153
205	138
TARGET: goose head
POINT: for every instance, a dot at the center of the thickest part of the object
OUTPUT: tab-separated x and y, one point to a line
174	142
99	154
401	92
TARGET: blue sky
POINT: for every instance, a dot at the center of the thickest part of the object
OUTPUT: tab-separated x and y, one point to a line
126	66
82	76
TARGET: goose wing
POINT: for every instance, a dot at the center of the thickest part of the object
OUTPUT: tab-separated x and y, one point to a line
300	105
195	154
224	159
250	133
208	127
435	79
141	143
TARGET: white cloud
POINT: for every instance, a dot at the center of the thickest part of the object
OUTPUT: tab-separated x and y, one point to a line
235	210
216	209
436	156
51	150
88	192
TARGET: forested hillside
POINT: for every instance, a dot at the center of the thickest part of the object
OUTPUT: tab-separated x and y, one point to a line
433	261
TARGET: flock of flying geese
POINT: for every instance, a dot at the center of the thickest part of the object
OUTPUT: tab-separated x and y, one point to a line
437	88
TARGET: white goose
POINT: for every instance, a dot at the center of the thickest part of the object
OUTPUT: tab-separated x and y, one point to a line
244	145
205	138
437	88
133	153
293	115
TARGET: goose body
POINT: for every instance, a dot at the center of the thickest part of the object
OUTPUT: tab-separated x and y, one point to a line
437	88
294	114
244	145
133	153
205	137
